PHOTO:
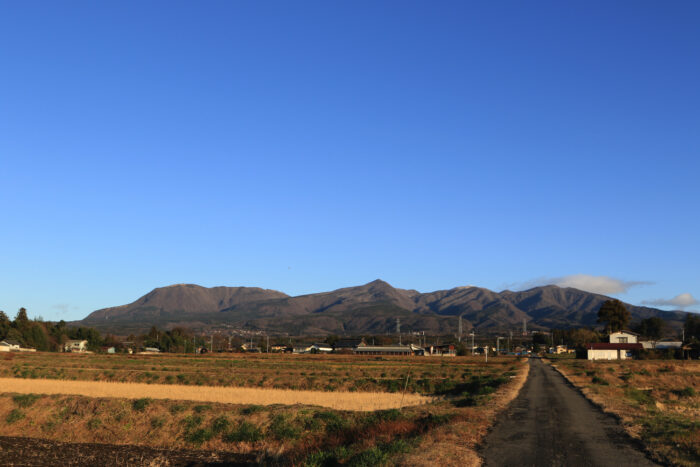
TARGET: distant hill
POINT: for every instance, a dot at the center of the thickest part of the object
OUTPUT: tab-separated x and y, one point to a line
369	308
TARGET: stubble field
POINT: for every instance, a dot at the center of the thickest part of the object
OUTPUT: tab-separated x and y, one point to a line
447	406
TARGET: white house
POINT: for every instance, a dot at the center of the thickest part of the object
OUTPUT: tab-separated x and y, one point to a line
610	351
75	346
624	337
9	346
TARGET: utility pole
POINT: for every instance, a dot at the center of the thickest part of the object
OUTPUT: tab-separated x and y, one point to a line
459	338
398	328
510	337
486	353
268	344
211	345
472	334
498	345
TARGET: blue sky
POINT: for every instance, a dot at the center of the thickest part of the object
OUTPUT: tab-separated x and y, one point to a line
306	146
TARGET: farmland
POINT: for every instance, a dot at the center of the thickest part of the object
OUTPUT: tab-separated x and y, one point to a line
447	406
657	401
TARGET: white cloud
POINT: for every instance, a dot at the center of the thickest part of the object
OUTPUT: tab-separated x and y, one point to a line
683	300
597	284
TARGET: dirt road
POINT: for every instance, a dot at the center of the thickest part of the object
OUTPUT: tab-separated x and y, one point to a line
551	424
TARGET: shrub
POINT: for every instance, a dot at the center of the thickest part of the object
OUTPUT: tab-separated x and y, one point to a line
334	422
140	404
177	408
191	421
641	397
685	392
198	436
281	428
25	400
598	380
14	416
370	458
201	408
220	425
244	432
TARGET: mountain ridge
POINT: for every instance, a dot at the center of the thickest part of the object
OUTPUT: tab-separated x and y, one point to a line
367	308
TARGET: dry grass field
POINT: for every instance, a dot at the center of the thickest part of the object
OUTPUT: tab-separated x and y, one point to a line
356	401
658	401
452	401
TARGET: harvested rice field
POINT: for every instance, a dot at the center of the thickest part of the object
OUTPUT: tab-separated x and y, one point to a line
269	409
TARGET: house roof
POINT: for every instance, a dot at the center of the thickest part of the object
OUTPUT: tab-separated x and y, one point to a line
625	331
11	342
612	346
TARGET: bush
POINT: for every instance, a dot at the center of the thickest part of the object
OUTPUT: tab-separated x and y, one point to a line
25	400
370	458
201	408
281	428
334	422
14	416
220	425
685	392
598	380
198	436
140	404
244	432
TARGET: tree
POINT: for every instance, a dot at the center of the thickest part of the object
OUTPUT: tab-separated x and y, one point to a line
692	327
614	314
651	327
21	320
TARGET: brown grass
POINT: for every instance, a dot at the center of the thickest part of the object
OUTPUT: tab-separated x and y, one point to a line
357	401
456	444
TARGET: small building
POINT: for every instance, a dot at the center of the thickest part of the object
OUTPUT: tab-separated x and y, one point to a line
75	346
9	345
320	347
384	350
443	350
299	349
278	348
561	349
250	347
624	337
150	351
612	351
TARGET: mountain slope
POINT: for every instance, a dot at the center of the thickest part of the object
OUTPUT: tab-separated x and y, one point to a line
369	308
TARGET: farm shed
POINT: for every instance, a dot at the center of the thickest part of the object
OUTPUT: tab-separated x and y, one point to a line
609	351
75	346
384	350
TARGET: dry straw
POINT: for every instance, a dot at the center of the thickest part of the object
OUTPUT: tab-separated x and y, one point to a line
357	401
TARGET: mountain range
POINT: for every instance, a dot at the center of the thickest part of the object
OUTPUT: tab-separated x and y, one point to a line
370	308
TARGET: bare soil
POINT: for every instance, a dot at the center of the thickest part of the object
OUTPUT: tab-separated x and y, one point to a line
23	452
